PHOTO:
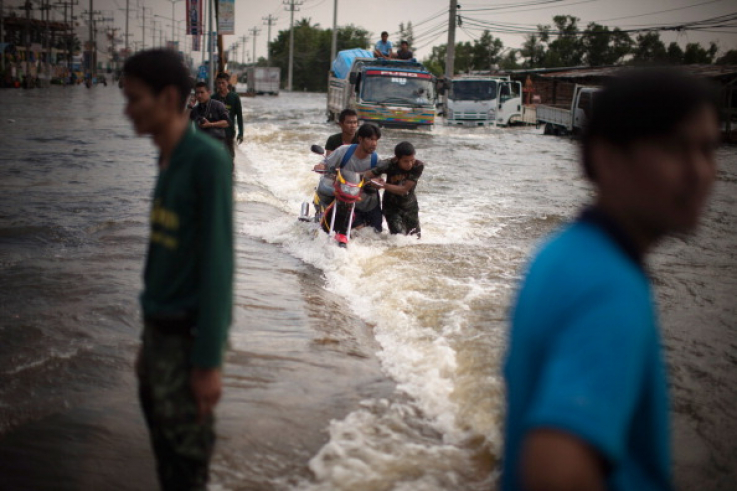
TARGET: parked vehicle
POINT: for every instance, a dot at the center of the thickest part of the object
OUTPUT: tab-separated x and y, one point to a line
394	93
262	80
564	120
483	100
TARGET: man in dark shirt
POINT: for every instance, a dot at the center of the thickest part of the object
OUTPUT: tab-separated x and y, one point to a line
235	111
404	52
348	121
209	115
400	203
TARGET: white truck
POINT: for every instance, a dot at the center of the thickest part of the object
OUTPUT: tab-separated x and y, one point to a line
263	80
565	119
483	100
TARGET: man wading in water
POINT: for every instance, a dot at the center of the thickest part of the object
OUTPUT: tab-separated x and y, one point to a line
587	393
188	278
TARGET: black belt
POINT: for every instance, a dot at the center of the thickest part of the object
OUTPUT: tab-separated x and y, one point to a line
181	323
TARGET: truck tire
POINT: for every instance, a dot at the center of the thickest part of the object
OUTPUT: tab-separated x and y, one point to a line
549	129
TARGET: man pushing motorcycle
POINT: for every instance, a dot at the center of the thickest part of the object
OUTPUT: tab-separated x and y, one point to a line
356	158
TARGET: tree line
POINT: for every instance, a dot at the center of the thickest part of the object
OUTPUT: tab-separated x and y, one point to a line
561	44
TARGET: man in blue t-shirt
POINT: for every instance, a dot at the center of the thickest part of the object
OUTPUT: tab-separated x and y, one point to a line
384	47
587	394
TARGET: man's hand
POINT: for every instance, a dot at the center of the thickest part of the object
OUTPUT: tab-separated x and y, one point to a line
204	123
556	461
239	139
319	167
377	183
207	386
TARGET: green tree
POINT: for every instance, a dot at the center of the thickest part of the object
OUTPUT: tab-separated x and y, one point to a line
436	61
312	52
604	47
485	52
697	54
567	48
509	60
649	49
728	58
674	54
533	49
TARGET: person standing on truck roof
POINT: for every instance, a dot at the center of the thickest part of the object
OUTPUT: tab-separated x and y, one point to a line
587	404
235	110
404	52
348	121
383	48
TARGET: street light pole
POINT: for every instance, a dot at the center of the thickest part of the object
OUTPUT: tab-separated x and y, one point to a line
172	18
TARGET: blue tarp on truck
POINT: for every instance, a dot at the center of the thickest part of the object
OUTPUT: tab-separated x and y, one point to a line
344	61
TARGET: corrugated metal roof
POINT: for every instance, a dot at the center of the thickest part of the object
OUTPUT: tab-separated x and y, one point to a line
708	71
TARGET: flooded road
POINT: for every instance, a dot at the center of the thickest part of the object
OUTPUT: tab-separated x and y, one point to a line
372	368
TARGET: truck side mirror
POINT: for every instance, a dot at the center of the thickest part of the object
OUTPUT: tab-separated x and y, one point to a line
352	78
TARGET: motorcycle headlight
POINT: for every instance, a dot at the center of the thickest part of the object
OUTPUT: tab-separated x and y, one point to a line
349	190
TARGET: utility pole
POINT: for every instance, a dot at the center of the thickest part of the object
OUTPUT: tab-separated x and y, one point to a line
2	35
334	43
450	52
244	40
27	43
127	16
254	33
211	81
172	18
270	21
143	28
292	6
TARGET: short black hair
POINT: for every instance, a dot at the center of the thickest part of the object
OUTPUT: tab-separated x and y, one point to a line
642	104
202	84
345	113
384	33
403	42
404	149
160	68
223	76
369	130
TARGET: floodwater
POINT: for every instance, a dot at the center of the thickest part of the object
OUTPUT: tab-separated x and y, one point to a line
371	368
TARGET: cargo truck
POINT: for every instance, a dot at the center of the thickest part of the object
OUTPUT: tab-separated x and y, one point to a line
568	119
391	93
484	100
262	80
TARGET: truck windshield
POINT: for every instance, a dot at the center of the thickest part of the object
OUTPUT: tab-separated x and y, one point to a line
473	90
397	89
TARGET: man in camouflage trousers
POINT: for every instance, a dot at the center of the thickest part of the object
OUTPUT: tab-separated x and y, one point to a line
188	278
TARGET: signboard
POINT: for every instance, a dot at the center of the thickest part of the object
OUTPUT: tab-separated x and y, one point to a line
226	16
195	15
385	73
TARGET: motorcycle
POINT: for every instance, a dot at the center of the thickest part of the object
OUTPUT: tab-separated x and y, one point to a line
334	201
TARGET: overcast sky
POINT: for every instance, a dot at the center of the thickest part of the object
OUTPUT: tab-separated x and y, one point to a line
430	17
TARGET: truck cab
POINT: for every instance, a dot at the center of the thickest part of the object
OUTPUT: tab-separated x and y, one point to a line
391	93
483	100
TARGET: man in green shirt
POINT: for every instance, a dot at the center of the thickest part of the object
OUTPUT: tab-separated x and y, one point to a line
235	110
188	278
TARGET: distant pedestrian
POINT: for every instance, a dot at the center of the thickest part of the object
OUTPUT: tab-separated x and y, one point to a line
188	278
586	384
235	111
383	48
399	204
348	122
209	115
